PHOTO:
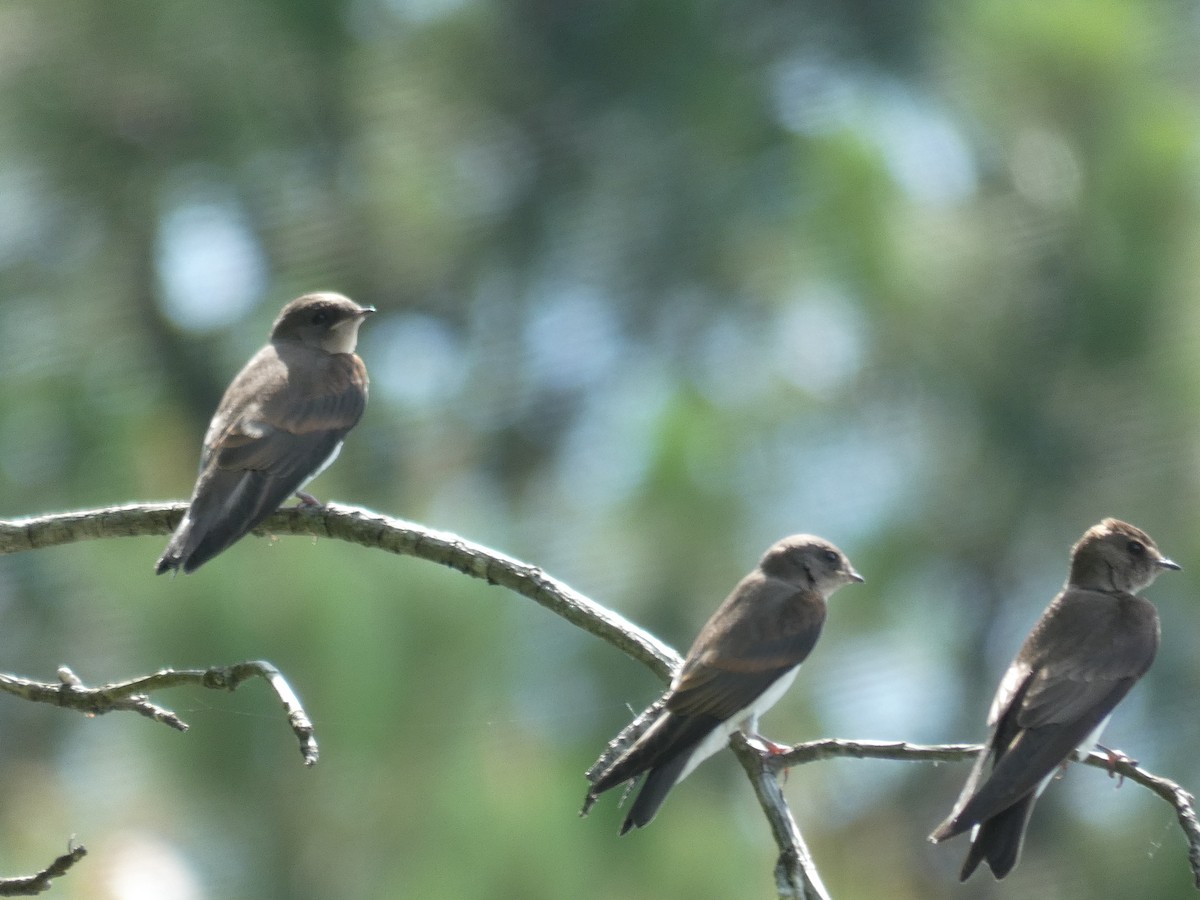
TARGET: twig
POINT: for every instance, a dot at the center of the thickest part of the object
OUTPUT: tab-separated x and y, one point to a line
71	693
29	885
1183	802
796	875
832	748
368	529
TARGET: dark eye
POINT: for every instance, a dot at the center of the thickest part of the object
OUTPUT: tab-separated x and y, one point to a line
321	317
1136	548
831	557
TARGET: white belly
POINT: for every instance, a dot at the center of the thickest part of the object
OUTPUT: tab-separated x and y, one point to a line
323	466
747	717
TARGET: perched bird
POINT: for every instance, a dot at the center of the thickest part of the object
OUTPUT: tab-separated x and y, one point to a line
1095	639
281	422
743	660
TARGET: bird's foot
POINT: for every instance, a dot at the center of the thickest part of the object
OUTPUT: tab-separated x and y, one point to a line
766	747
1116	758
307	499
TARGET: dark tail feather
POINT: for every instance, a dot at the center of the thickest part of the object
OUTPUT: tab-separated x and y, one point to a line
172	557
662	750
193	544
667	738
216	539
226	507
654	791
629	735
999	839
956	823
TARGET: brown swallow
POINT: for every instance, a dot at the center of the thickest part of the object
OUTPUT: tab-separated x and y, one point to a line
1093	642
279	424
742	662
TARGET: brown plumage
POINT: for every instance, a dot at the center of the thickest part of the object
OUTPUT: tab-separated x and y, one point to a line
1093	642
743	660
280	422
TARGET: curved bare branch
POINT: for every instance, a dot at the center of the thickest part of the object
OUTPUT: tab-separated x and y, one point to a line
71	693
368	529
796	875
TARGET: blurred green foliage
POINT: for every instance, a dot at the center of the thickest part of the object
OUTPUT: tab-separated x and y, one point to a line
658	284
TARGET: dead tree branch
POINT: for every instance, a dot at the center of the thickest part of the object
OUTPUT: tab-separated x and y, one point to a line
832	748
368	529
131	695
796	875
29	885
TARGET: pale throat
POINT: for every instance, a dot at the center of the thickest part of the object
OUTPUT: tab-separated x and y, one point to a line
343	337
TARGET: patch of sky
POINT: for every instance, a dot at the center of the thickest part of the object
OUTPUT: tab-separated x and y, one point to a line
818	341
416	360
210	266
606	454
838	473
572	338
922	146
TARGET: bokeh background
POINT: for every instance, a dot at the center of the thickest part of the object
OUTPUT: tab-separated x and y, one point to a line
659	283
